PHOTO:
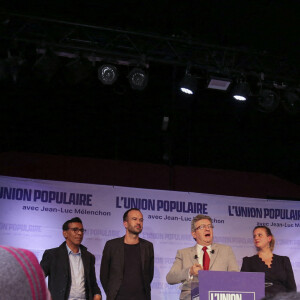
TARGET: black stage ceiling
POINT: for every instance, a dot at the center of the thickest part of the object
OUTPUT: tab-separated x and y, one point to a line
52	101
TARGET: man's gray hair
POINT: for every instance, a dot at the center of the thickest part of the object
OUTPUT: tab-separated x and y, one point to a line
198	218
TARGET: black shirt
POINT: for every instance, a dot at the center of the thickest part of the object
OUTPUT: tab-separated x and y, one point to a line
132	287
280	274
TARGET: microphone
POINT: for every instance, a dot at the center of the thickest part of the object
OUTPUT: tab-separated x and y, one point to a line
196	256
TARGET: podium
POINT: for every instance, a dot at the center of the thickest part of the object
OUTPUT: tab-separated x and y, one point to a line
218	285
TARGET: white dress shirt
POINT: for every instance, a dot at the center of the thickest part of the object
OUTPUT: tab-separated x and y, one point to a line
200	253
77	291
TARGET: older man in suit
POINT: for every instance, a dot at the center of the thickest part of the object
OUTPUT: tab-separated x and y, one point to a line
205	255
70	267
127	264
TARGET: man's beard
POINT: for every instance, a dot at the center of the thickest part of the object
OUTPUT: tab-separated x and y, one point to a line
134	230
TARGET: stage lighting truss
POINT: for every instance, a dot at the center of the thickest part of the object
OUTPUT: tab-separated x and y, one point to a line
138	79
95	44
107	74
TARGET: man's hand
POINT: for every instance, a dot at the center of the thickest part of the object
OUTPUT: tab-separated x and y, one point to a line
97	297
194	269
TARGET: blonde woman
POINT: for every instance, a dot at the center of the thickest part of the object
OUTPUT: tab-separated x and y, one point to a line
279	275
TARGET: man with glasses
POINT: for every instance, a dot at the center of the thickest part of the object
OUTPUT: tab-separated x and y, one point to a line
205	255
70	267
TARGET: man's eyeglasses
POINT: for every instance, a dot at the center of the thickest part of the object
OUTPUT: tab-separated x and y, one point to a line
76	230
204	227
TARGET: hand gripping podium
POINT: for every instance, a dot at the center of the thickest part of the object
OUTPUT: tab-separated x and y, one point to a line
218	285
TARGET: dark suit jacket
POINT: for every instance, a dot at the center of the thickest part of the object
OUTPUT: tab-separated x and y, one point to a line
280	274
112	265
56	265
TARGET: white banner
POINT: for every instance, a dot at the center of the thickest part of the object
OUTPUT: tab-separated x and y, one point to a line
33	211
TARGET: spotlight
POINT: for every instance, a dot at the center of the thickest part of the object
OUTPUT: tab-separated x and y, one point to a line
165	123
241	91
188	84
291	102
46	66
138	79
107	74
221	84
77	71
267	101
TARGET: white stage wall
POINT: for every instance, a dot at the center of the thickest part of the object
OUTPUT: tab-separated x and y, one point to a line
32	213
